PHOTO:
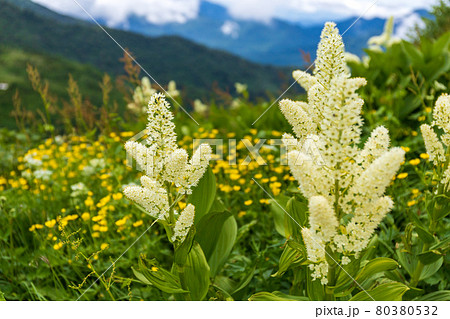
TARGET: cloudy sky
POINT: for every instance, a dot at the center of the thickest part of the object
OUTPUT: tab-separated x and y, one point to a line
162	11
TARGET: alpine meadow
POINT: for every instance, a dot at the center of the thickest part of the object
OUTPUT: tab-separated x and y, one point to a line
114	187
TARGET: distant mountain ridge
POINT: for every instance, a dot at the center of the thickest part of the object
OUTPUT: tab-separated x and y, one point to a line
278	42
28	26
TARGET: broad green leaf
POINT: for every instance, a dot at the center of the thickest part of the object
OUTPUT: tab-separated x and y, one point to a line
2	296
384	292
277	208
196	273
295	217
374	266
441	44
429	257
276	296
216	234
407	260
314	288
203	195
413	53
424	235
345	281
288	257
443	295
430	269
158	277
184	248
141	277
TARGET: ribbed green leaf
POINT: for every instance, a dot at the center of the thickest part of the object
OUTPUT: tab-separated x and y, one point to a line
384	292
443	295
203	195
158	277
276	296
196	273
288	257
216	234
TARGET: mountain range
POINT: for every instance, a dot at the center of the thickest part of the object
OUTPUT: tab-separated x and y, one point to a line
31	27
277	42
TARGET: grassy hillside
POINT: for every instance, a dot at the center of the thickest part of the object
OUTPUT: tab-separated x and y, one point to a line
165	58
13	63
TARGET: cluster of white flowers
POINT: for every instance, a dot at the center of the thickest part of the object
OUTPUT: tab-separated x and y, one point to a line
200	107
143	93
43	174
164	164
184	223
78	189
347	181
95	165
386	39
433	143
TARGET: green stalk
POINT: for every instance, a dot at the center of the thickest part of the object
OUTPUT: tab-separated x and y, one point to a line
187	296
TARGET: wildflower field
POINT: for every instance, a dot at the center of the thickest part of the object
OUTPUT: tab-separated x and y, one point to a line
341	193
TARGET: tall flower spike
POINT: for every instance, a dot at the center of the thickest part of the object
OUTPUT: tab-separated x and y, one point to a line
330	61
376	145
441	113
348	182
184	223
160	128
434	147
322	218
151	197
298	117
164	164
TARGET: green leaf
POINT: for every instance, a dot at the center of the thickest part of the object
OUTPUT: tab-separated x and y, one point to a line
279	214
184	248
430	269
384	292
413	53
345	283
203	195
141	277
314	288
296	217
424	235
158	277
443	244
443	295
196	273
216	234
375	266
429	257
276	296
2	296
246	280
288	257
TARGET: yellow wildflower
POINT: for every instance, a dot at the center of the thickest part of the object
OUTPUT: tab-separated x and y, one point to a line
402	175
138	223
50	223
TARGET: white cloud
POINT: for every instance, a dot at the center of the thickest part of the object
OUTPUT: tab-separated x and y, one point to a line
162	11
116	11
403	29
230	28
